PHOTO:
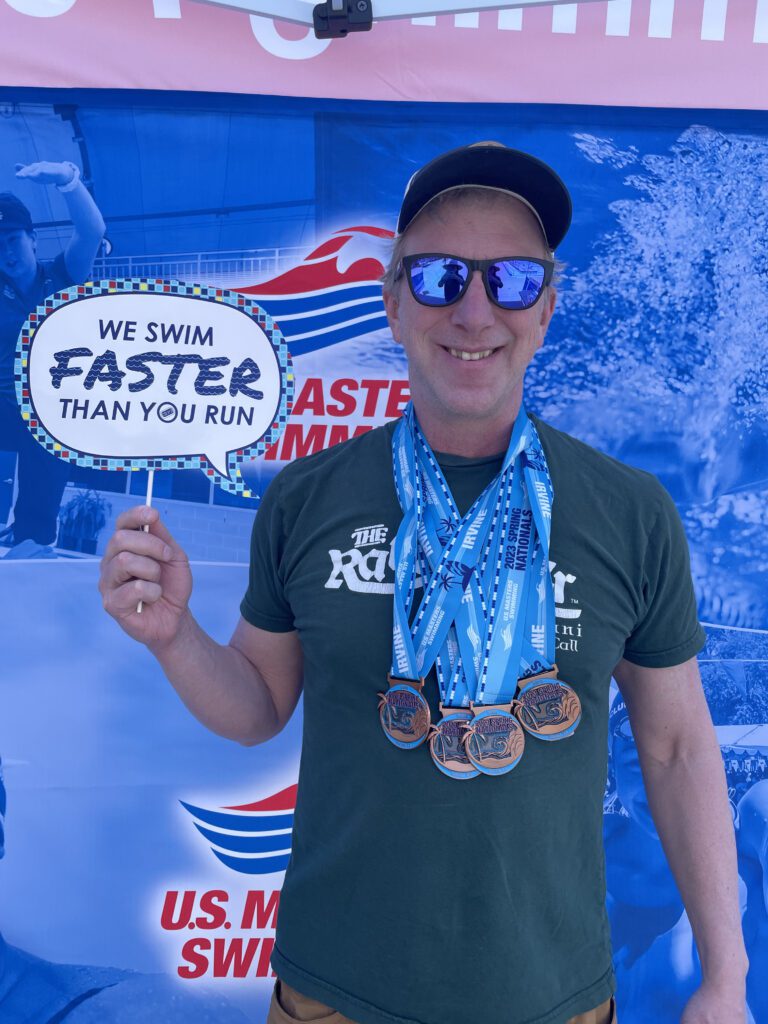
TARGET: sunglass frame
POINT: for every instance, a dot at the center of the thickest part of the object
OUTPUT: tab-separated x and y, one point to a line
407	262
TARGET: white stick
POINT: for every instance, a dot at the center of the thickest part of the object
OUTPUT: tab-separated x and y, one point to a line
145	527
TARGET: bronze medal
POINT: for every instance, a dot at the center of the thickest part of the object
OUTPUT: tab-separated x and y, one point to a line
494	740
446	744
547	707
404	713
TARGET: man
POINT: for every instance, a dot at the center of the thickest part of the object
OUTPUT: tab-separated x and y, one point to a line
416	895
24	282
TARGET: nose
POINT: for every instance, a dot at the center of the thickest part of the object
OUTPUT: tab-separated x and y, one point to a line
474	310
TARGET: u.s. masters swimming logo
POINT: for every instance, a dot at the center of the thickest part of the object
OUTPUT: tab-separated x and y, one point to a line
331	297
219	922
335	292
254	839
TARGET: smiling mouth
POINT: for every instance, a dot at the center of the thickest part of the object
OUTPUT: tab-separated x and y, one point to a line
458	353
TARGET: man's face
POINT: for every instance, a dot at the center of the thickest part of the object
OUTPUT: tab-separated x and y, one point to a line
17	254
445	387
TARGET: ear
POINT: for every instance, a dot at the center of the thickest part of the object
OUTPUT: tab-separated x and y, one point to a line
392	308
547	309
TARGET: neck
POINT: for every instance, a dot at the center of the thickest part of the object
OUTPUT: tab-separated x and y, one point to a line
473	438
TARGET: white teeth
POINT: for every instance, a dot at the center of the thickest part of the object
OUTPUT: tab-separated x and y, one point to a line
459	354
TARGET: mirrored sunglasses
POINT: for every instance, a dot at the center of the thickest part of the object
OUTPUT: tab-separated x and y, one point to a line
512	282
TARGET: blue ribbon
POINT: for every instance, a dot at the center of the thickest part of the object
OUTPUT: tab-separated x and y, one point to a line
487	614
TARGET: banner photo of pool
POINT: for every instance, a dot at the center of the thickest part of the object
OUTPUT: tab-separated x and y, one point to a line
144	856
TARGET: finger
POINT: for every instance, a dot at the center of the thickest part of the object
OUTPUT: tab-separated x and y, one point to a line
122	601
141	516
138	543
136	517
157	528
129	566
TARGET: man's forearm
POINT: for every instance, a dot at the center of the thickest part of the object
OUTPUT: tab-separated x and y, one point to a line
218	684
89	228
689	802
85	214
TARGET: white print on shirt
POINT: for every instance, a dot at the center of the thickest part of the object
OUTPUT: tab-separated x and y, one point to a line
368	567
560	579
369	535
364	571
568	632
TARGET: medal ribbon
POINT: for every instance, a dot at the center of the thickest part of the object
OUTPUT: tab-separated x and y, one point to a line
482	620
520	622
415	648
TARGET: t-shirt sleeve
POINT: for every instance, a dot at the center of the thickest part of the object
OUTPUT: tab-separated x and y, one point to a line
264	604
667	631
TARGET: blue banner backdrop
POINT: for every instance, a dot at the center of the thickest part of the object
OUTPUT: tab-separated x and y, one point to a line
120	807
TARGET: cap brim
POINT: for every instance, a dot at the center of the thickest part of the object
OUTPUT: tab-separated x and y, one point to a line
497	167
6	225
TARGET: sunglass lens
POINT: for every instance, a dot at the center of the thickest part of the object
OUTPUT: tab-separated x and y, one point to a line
437	280
516	284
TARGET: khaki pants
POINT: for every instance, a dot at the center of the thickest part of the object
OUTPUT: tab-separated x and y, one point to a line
289	1006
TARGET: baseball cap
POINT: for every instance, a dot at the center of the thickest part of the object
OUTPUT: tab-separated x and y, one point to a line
13	213
495	166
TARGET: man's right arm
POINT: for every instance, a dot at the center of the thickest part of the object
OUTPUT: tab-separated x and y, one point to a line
87	221
245	690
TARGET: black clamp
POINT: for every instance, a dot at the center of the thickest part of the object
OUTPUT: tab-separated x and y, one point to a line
335	18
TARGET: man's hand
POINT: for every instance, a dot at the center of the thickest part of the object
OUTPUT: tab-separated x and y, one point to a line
246	689
148	567
45	172
87	222
716	1004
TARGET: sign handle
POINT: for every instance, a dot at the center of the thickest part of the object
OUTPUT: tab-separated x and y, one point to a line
145	527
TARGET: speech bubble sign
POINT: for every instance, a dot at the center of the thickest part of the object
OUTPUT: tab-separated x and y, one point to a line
145	374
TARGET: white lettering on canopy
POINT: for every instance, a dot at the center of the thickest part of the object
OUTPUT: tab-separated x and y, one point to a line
291	49
167	8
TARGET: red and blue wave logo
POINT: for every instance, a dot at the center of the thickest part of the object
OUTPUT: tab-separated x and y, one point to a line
254	839
334	294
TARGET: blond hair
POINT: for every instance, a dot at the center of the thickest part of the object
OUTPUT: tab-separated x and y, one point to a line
477	195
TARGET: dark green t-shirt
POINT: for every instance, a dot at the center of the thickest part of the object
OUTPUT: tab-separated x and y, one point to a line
410	896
